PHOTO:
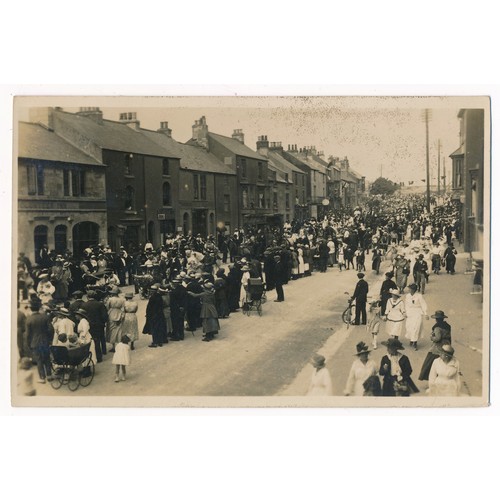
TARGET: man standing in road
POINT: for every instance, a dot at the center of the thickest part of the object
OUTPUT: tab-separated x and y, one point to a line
279	278
39	332
360	295
98	317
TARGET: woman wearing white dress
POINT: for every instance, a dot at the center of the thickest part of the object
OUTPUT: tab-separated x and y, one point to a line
444	378
300	257
416	309
321	382
62	324
361	370
395	314
83	331
45	289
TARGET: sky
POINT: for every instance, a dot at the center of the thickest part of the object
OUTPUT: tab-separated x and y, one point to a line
379	135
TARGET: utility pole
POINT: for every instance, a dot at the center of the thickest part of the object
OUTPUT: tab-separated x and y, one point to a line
428	190
444	177
439	167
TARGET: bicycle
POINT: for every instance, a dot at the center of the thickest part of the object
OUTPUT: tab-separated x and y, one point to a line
349	311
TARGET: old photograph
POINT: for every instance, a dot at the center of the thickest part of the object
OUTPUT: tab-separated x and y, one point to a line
274	251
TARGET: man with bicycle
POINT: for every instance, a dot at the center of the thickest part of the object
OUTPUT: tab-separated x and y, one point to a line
360	295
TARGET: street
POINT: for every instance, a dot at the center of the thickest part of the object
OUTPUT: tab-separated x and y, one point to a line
269	355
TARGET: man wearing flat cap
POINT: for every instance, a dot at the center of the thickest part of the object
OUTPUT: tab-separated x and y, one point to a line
360	295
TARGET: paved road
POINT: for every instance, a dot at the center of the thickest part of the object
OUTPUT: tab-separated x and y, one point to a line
268	355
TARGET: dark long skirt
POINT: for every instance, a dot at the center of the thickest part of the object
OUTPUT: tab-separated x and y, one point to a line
210	325
426	366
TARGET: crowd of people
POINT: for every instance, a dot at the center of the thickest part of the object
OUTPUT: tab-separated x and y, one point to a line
191	282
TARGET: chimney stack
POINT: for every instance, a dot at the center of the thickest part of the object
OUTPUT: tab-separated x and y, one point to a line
93	113
164	129
238	135
130	119
43	116
200	132
262	145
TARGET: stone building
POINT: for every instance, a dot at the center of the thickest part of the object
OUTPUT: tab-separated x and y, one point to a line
61	193
468	178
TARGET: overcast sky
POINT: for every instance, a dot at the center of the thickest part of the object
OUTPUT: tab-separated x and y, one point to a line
377	134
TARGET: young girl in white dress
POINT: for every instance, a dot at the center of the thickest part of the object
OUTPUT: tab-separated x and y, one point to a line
121	358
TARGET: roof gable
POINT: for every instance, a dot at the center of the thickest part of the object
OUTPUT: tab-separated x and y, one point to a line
37	142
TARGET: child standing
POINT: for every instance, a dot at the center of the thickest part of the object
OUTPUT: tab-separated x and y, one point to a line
121	358
373	325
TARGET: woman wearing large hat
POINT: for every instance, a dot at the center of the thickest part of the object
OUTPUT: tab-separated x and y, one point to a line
395	368
395	314
321	382
361	369
444	377
416	310
209	313
441	334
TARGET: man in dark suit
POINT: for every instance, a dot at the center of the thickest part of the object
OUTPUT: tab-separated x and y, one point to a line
98	317
360	294
39	334
279	273
178	305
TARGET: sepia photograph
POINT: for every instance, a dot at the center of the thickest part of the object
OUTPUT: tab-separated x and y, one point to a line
271	251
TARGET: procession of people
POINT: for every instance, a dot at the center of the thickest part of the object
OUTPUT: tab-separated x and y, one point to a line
192	283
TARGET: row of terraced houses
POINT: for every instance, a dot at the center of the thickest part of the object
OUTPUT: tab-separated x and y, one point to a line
83	180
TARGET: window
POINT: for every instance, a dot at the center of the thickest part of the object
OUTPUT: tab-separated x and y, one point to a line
74	182
128	157
66	176
457	172
129	198
78	182
261	200
287	201
243	167
35	179
165	166
244	194
286	177
166	194
227	203
196	187
275	201
203	187
261	171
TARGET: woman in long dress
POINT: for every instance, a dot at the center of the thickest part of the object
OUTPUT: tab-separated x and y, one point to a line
83	331
209	315
401	272
130	326
115	317
395	314
300	257
361	370
321	382
416	309
167	312
444	378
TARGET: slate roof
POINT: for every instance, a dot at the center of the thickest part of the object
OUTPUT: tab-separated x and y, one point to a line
283	163
280	174
111	135
460	151
236	146
37	142
191	157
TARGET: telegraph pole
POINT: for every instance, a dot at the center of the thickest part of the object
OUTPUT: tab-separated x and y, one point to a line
428	190
439	167
444	177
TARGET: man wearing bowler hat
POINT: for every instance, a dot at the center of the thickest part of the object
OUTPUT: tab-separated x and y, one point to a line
360	295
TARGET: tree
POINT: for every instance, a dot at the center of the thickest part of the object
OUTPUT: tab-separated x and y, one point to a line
383	186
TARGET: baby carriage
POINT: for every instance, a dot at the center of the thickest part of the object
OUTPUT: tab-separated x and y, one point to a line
71	367
254	296
143	283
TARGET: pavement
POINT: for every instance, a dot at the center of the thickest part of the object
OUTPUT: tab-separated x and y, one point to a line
269	355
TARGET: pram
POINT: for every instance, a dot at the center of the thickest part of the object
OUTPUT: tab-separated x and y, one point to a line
71	367
255	296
